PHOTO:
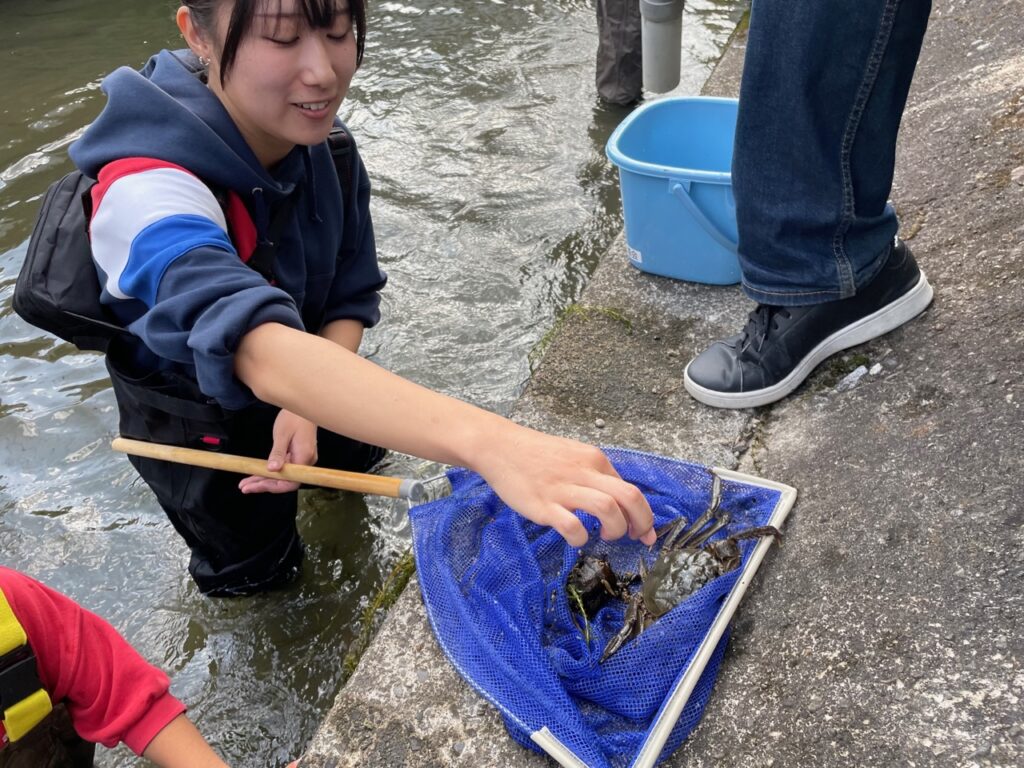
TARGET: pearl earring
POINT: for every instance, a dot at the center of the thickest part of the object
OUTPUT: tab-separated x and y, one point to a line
204	61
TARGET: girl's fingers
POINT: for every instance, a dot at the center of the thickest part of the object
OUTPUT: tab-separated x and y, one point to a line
546	478
648	538
257	484
294	441
567	524
602	506
279	452
630	504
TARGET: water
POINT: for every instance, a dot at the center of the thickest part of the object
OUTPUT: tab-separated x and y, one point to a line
493	201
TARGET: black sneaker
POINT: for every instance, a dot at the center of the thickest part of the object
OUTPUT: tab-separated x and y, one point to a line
780	346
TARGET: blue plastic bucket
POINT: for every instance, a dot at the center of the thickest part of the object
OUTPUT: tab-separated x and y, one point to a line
674	158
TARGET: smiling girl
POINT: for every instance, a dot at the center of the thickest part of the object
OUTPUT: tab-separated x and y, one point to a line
208	158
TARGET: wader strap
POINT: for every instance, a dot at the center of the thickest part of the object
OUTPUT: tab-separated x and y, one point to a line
23	702
172	396
341	147
265	252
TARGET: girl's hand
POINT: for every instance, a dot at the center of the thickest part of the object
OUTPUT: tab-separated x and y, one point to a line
294	443
546	478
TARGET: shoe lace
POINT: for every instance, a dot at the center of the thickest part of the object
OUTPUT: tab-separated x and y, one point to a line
763	319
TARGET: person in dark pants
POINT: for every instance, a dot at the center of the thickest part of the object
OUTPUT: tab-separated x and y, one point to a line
205	161
822	94
619	70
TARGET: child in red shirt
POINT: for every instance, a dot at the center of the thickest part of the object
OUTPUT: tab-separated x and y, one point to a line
110	692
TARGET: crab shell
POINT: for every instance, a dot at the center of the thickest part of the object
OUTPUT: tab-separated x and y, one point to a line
679	573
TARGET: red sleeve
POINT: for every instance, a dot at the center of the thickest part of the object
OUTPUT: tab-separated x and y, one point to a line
111	693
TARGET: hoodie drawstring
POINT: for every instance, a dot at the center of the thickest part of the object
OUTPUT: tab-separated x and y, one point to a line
260	215
314	211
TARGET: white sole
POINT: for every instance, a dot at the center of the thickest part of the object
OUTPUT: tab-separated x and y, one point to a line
888	318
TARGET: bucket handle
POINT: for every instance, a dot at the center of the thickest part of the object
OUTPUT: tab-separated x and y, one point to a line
682	192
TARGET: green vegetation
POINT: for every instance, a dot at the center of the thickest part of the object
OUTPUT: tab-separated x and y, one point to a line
741	27
386	596
577	601
582	311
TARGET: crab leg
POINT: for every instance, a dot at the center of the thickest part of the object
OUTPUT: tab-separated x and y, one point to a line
629	626
719	524
679	539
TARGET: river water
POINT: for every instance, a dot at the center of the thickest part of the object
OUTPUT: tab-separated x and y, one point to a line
493	200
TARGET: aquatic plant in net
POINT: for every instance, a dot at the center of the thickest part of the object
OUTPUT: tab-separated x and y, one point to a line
494	585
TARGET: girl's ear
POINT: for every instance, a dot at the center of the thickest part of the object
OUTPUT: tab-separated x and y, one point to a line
193	37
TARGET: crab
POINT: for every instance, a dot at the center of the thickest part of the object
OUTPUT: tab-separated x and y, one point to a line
686	562
592	583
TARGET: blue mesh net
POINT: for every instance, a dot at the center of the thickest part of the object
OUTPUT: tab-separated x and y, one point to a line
494	587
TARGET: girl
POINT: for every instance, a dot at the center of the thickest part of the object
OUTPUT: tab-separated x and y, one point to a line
213	157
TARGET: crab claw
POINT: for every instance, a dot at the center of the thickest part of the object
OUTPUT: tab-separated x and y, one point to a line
632	625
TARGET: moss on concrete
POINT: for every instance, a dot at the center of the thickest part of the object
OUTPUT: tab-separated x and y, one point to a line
575	311
389	592
836	368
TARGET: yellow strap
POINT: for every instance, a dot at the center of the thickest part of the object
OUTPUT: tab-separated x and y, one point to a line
11	634
26	714
23	716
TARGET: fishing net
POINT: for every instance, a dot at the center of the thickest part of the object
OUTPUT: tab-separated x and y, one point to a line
494	588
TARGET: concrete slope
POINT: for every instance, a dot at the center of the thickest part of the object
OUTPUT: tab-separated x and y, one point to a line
888	630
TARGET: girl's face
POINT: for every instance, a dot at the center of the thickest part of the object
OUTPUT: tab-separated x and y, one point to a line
287	80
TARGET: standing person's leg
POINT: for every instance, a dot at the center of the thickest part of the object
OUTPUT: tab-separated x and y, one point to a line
823	91
619	69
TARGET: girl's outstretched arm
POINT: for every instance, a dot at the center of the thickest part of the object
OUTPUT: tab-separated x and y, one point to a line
541	476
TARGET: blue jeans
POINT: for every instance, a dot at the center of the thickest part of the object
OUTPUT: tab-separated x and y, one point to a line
823	90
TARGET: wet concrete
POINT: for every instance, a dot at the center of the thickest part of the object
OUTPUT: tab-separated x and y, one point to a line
887	631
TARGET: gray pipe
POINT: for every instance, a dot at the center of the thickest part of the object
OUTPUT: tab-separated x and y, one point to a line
661	34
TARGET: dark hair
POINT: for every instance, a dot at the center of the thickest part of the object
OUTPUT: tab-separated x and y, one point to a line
318	14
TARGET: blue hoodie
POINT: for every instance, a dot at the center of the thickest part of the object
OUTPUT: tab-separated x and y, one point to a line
168	267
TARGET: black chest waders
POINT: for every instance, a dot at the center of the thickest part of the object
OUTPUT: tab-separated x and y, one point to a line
240	543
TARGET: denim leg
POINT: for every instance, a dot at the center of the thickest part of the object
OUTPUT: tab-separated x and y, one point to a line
823	91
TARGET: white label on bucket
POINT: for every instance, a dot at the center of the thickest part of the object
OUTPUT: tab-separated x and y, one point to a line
634	255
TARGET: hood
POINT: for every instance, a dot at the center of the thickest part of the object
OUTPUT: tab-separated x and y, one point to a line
165	111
